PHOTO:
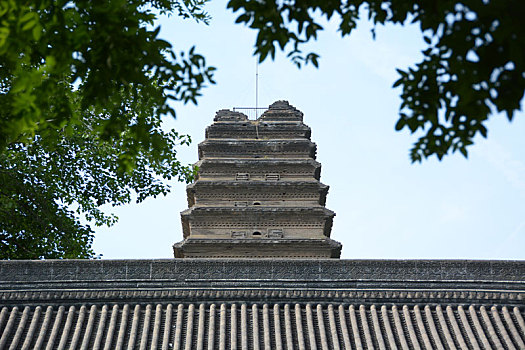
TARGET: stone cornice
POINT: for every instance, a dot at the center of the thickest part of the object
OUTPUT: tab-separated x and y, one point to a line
259	162
252	129
249	148
277	211
286	167
258	188
263	247
258	183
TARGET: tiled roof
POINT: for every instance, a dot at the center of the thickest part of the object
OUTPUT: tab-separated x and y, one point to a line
262	304
261	326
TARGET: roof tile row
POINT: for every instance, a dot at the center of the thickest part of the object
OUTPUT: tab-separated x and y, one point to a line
261	326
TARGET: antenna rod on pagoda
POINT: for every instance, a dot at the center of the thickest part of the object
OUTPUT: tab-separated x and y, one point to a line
256	86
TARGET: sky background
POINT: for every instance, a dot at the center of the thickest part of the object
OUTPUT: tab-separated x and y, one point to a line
386	207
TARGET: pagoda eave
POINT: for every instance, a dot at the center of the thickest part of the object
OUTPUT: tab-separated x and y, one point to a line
249	248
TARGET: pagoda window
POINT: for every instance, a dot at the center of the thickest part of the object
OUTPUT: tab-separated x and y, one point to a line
242	177
238	234
275	233
272	177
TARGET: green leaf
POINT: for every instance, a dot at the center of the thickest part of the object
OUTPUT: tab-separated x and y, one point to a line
398	82
37	32
28	16
401	123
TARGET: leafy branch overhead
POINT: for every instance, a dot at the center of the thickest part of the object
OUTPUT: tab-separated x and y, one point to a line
83	88
473	65
100	50
48	183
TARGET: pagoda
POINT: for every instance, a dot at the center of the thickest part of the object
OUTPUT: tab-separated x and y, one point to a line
257	191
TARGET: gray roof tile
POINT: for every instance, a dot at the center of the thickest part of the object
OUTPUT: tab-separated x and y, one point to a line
262	326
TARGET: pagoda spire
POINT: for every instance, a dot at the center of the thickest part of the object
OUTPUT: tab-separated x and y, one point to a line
257	192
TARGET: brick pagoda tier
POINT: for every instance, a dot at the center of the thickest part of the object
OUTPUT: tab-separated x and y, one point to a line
257	192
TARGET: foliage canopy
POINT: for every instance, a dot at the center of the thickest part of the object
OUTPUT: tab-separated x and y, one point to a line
83	86
43	182
106	52
473	66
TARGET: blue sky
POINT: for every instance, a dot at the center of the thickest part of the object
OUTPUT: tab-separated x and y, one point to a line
385	206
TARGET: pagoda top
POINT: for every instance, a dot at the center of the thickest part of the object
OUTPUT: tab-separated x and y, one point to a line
278	111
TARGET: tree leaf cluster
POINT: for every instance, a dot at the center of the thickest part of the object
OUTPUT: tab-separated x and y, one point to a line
84	86
473	66
101	50
48	184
